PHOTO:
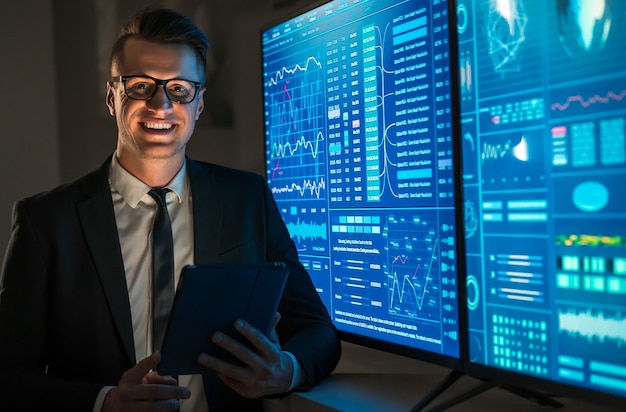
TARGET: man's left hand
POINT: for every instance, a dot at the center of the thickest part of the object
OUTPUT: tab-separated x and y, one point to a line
267	371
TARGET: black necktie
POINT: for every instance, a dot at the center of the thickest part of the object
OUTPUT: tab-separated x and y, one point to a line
162	268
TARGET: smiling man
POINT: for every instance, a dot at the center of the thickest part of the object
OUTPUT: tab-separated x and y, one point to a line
79	329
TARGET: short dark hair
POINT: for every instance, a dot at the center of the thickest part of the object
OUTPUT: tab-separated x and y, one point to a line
162	26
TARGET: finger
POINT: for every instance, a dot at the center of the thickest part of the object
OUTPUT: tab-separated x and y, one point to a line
141	369
241	388
237	349
155	378
277	381
268	349
224	368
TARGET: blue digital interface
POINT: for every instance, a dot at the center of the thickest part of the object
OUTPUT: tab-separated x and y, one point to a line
543	87
360	161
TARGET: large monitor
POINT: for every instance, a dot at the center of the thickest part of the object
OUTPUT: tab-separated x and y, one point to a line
543	97
359	123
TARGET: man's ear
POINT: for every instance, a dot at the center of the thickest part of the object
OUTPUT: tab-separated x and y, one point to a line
200	107
110	99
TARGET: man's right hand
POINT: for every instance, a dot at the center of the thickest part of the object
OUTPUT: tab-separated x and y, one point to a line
141	390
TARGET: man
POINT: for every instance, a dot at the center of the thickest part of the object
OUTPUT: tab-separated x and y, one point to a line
75	311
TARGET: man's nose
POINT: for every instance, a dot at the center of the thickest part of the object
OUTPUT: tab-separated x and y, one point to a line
159	100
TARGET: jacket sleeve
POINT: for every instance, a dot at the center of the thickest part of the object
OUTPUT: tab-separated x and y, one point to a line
24	281
305	329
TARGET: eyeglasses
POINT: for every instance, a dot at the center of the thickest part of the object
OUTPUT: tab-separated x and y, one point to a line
144	88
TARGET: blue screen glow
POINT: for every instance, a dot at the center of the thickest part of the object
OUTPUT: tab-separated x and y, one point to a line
360	161
543	88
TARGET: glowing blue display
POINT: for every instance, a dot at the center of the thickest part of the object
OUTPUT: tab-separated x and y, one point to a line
543	88
359	159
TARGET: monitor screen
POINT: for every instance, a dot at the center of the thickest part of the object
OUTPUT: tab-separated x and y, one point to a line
543	97
358	137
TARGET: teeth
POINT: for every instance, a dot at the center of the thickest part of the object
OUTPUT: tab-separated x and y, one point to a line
160	126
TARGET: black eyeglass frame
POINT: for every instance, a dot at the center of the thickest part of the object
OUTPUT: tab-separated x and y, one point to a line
159	83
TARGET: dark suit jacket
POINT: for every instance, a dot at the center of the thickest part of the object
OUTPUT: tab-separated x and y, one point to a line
65	322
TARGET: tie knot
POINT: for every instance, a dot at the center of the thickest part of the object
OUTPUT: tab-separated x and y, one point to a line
158	194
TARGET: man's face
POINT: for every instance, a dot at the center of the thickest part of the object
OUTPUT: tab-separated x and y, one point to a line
156	128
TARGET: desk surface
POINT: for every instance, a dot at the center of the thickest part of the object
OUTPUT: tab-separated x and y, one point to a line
372	381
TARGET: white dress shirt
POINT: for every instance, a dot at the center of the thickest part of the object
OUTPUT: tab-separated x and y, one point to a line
135	211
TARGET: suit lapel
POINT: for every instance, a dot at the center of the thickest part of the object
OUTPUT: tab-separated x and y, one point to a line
98	221
207	212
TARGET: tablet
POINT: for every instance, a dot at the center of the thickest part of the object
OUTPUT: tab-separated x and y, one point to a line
210	298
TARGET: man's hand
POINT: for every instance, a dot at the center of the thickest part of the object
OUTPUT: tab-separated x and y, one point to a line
268	370
141	390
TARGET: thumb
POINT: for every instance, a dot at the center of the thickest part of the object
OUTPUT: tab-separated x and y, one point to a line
137	372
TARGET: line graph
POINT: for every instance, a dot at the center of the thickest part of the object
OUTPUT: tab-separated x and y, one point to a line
311	187
289	148
413	274
585	102
280	74
513	158
295	126
495	151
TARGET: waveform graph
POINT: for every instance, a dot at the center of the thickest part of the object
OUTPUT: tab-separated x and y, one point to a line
601	330
295	125
300	189
413	270
591	348
595	98
579	101
514	159
308	228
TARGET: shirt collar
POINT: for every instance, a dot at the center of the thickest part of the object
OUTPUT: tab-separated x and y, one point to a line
133	190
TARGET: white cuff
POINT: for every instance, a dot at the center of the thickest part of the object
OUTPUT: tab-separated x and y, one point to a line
97	406
298	378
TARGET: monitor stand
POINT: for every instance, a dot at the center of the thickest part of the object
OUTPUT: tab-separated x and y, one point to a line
453	376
